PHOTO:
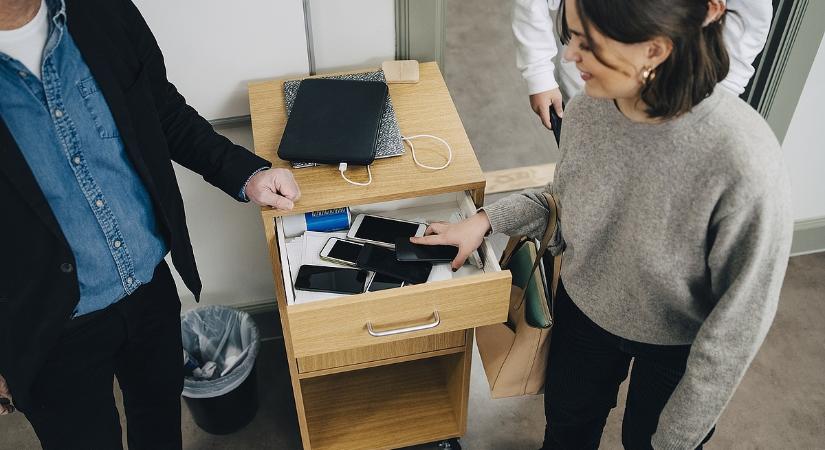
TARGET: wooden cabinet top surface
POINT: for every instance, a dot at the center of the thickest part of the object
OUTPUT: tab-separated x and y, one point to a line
422	108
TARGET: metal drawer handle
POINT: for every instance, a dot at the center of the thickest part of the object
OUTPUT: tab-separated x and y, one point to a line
436	322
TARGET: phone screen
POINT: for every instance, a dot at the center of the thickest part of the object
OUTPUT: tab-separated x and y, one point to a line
345	251
407	251
382	260
331	279
384	230
381	282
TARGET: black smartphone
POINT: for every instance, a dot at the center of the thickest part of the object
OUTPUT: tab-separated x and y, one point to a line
339	280
382	230
407	251
555	121
382	260
381	282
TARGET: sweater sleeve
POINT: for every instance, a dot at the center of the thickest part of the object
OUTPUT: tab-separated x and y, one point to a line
535	44
524	213
747	257
745	33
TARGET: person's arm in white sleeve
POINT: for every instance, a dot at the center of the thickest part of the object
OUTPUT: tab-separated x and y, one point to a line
746	30
535	50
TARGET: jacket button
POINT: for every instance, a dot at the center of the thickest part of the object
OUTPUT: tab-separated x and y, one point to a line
66	268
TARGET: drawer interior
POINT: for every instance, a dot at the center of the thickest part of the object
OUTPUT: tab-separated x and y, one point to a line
444	207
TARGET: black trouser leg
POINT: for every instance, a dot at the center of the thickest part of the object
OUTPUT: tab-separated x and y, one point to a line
149	367
586	366
657	371
583	379
73	405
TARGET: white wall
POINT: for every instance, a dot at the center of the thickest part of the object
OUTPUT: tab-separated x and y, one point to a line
214	47
352	35
804	145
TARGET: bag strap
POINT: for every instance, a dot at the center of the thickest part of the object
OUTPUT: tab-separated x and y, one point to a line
513	244
549	232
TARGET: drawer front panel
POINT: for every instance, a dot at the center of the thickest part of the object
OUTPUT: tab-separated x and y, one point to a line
380	352
432	308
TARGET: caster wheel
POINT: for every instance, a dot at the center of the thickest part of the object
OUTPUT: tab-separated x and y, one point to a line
450	444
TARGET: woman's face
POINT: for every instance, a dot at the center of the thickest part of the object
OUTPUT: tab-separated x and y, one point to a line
624	78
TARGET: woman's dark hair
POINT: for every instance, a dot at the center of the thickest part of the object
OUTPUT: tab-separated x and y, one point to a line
697	63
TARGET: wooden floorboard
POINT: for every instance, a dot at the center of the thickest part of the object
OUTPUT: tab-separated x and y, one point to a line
518	178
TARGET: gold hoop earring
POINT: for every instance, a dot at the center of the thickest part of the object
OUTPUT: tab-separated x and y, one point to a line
648	74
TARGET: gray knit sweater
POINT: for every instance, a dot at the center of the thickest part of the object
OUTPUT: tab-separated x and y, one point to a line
673	233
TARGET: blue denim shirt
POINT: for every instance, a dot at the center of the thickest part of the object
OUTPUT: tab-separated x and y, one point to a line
68	137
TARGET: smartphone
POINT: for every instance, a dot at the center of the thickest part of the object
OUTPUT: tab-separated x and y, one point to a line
555	122
407	251
339	280
381	282
382	230
340	251
382	260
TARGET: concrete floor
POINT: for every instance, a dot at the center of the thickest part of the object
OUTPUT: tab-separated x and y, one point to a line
488	90
779	405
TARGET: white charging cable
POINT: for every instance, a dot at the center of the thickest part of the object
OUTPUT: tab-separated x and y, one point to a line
343	168
409	139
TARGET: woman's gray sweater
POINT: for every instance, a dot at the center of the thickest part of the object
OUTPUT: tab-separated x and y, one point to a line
673	233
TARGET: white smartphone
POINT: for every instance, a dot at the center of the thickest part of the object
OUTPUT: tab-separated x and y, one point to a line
340	251
383	230
379	282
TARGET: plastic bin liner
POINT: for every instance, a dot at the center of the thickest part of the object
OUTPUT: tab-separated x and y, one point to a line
226	336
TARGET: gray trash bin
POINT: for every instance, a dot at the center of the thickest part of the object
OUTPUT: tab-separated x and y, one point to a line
229	400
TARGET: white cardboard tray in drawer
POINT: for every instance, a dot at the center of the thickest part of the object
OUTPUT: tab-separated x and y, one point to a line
430	209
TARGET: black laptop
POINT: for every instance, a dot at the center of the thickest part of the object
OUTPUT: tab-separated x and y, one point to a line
334	121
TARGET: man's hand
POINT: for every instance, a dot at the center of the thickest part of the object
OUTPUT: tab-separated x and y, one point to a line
542	102
5	395
273	187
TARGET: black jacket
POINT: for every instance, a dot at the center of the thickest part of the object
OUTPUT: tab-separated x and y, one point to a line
38	283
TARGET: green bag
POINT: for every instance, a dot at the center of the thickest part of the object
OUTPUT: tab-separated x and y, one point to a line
523	257
514	353
537	305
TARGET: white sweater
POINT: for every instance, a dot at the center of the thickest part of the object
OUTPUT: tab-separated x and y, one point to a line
537	44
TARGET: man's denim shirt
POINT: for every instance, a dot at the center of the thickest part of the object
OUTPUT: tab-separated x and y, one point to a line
69	139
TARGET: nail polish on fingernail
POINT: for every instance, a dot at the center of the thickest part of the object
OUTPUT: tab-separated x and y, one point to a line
454	269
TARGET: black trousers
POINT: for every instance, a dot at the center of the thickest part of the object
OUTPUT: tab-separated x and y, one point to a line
586	366
137	340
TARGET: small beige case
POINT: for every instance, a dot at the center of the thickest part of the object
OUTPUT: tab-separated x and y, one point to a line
400	71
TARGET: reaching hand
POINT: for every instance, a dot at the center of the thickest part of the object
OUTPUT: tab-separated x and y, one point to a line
542	102
467	235
5	395
273	187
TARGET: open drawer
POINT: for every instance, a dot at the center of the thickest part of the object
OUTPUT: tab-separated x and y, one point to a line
473	297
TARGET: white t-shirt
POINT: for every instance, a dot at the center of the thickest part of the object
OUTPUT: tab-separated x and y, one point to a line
537	45
26	43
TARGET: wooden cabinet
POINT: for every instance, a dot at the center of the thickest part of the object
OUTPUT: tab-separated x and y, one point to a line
391	368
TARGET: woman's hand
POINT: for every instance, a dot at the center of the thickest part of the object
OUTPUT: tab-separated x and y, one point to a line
467	235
